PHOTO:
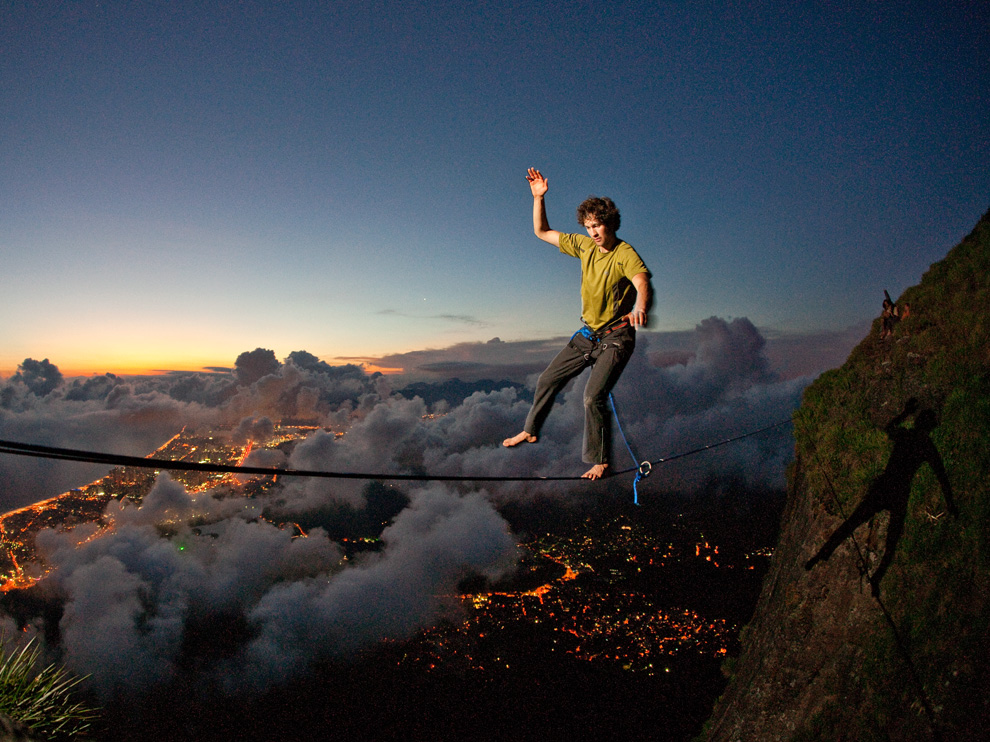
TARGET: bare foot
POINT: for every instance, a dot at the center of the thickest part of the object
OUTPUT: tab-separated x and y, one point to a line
515	440
595	472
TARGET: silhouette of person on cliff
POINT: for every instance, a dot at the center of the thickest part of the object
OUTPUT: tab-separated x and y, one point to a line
892	489
888	317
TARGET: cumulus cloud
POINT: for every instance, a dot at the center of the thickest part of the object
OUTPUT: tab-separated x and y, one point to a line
679	390
40	377
433	544
93	388
130	596
255	429
253	365
386	439
167	501
266	458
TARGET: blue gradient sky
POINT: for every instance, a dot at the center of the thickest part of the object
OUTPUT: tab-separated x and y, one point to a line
183	181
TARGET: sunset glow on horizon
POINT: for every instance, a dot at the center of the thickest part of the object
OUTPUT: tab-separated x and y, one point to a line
160	368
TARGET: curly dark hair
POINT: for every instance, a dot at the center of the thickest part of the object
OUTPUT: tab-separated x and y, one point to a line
603	209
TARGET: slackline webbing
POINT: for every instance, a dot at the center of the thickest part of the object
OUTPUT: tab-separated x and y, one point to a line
68	454
93	457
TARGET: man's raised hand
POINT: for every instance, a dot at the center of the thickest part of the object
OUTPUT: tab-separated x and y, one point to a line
537	183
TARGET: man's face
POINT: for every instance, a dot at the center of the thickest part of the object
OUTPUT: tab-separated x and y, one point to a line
601	234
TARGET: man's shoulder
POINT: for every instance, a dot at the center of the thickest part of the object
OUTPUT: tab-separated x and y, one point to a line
576	237
627	254
575	243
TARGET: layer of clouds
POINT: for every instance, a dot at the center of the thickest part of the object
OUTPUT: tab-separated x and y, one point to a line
679	389
672	398
791	355
135	596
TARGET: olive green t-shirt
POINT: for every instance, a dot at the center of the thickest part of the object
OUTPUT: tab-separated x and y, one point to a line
607	291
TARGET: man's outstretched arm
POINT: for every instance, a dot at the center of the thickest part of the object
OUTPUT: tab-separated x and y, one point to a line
541	227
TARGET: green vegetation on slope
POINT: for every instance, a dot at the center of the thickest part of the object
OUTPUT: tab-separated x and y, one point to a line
938	589
824	657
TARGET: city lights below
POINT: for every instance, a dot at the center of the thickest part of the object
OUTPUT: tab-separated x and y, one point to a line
611	591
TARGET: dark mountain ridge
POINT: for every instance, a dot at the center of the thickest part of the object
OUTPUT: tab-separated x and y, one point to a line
846	644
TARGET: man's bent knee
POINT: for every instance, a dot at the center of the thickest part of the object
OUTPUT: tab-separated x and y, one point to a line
596	401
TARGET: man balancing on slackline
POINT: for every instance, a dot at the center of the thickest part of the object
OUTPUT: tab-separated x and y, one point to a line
615	295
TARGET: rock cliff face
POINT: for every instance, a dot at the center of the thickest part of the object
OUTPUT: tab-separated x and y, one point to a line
846	644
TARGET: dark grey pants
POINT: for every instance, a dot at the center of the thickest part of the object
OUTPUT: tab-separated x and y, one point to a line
607	358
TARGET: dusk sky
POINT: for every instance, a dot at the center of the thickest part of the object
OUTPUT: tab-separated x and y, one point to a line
184	181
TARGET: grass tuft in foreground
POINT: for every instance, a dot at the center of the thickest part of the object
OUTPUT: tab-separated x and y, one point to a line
41	701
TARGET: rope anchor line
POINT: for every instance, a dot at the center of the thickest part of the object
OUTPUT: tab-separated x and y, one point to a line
644	468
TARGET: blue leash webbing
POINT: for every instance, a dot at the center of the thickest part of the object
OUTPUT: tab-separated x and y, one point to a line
644	467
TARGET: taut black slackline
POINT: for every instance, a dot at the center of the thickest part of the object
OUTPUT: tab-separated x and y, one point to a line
71	454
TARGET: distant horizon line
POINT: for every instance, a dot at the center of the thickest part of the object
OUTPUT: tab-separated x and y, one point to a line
371	364
75	373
